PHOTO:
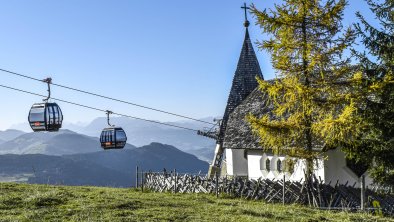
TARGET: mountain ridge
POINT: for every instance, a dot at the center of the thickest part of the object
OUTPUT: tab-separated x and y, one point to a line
102	168
10	134
52	143
139	133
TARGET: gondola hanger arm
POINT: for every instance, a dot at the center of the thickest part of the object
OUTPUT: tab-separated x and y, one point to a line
49	82
109	112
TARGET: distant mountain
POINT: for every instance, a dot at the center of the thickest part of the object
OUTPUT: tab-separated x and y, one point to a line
104	168
10	134
52	143
154	156
205	154
140	133
2	141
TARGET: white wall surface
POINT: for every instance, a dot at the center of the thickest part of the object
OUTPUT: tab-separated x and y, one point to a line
237	163
336	170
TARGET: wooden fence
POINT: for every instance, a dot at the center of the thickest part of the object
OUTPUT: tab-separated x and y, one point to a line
315	193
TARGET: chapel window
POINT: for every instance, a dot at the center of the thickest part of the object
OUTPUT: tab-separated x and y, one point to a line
279	166
268	164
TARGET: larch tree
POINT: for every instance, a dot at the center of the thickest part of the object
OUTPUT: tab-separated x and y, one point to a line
311	109
376	144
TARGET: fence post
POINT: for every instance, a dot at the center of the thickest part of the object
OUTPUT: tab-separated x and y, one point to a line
225	186
142	181
362	193
284	189
217	185
175	180
136	176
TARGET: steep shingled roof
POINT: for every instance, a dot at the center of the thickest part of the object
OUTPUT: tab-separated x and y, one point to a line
238	134
244	81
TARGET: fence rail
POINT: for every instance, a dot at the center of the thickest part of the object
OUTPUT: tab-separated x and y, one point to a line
314	193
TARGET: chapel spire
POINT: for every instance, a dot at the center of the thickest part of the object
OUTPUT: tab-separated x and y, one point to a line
244	81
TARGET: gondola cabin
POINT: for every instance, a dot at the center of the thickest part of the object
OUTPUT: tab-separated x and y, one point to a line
113	138
45	117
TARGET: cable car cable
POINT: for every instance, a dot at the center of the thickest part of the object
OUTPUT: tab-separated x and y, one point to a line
109	98
101	110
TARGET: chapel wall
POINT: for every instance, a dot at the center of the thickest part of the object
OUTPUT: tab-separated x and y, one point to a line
336	170
237	163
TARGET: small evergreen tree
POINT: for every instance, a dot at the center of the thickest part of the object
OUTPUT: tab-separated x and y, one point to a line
312	108
376	144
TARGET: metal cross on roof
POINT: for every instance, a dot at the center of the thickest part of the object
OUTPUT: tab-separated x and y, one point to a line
246	23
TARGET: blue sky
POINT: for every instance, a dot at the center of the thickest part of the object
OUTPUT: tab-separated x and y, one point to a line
178	56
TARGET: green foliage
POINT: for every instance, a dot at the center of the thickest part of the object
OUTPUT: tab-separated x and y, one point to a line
376	144
20	202
311	107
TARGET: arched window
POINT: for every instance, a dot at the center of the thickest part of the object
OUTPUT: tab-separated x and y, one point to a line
279	165
268	164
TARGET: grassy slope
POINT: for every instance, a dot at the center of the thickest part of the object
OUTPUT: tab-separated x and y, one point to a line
20	202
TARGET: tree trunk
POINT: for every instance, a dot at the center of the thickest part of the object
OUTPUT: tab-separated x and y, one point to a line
308	118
